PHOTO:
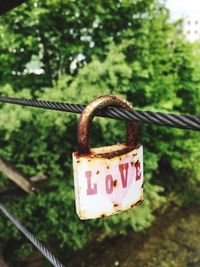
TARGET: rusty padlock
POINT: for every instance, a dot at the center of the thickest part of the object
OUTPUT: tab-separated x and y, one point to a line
107	179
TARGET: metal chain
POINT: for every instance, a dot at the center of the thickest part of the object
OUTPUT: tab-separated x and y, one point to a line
172	120
30	236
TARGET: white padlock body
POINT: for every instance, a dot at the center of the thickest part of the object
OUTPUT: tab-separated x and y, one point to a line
105	186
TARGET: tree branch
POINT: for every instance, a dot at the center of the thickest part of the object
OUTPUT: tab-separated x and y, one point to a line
8	170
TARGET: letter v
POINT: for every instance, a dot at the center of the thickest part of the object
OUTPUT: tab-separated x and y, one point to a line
124	178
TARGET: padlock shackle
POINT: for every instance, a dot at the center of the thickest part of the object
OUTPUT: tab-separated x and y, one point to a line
88	114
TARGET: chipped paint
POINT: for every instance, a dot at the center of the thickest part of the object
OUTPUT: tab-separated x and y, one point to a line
107	179
86	119
101	192
115	183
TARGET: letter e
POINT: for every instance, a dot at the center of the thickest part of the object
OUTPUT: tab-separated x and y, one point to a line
138	170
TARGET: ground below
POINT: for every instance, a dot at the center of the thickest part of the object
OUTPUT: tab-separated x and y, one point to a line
172	241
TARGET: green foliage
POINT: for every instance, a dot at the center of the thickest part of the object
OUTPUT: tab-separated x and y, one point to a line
137	54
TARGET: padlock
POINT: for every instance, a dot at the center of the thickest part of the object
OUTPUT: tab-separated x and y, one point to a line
107	179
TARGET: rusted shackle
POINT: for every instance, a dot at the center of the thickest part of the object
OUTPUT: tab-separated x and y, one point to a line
88	114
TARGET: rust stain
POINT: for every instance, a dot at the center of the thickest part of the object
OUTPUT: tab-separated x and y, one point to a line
103	215
78	161
136	162
97	172
115	183
112	154
116	205
88	114
138	202
108	167
106	155
77	155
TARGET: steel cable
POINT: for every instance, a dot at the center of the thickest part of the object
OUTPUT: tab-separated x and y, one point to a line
165	119
172	120
30	236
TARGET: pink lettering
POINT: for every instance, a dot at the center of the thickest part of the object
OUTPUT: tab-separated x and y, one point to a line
124	178
90	190
138	170
109	184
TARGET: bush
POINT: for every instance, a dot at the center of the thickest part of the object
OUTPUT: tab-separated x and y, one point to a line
154	69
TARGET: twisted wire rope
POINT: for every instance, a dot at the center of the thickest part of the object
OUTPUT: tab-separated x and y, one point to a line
165	119
51	258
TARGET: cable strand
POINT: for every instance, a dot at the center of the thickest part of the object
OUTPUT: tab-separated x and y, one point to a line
190	122
31	237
